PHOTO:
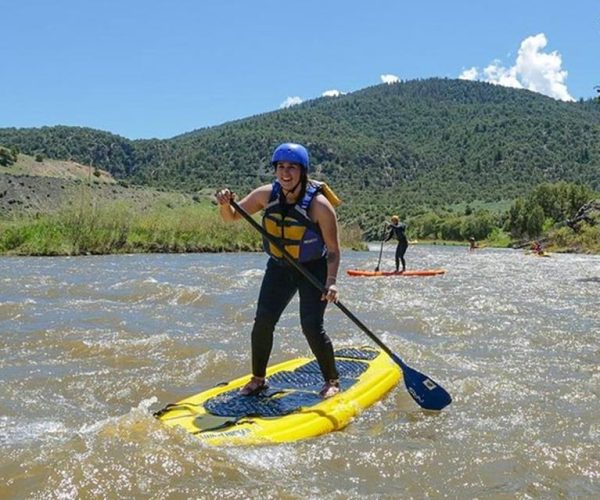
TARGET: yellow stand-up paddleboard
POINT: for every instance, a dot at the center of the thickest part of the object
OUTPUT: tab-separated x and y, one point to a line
290	409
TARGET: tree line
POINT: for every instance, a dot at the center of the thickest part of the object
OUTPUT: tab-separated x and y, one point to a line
416	147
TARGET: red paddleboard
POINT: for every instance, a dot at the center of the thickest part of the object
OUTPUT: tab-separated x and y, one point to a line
410	272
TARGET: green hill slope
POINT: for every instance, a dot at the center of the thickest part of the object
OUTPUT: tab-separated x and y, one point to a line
403	147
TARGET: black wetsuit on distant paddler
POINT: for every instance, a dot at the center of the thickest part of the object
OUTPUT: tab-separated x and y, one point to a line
397	229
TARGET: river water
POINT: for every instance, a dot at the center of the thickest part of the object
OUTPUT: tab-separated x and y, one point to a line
91	346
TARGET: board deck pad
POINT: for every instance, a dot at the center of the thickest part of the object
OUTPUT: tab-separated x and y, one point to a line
287	392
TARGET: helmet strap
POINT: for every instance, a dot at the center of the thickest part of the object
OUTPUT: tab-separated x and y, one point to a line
285	192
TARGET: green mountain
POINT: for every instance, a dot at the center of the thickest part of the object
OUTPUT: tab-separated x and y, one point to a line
404	147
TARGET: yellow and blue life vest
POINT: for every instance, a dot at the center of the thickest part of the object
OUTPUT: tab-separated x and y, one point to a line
292	226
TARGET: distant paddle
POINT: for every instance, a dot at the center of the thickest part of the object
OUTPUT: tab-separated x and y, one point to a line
426	393
380	252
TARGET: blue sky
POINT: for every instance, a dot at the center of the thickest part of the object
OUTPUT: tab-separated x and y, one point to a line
144	69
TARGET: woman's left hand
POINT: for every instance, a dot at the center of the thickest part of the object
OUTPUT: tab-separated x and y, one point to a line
331	295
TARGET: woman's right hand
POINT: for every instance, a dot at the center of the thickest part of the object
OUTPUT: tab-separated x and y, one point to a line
224	196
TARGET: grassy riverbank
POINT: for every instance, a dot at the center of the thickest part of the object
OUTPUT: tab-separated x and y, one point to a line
118	227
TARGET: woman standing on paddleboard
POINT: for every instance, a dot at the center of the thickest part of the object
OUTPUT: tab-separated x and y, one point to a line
398	229
300	213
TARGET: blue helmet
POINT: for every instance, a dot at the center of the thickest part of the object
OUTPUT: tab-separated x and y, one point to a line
294	153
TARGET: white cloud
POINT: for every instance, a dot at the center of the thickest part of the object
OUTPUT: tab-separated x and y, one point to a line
533	70
507	77
332	93
469	74
542	72
389	79
290	101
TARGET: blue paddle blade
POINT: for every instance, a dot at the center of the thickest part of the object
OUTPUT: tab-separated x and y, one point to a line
427	393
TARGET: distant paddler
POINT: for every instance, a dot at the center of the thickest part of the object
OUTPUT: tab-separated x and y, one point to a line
472	244
537	249
397	229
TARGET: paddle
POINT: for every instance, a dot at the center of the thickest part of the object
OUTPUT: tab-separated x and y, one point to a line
427	393
380	252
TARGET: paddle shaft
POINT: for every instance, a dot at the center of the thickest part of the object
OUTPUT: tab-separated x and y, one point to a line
314	281
380	252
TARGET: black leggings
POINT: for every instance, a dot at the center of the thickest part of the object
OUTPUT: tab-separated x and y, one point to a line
279	285
400	251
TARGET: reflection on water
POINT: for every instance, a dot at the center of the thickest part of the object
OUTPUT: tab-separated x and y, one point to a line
90	346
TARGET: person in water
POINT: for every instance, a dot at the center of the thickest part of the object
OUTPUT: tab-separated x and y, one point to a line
472	243
298	212
537	248
398	229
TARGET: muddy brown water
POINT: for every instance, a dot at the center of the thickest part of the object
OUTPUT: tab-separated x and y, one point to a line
91	346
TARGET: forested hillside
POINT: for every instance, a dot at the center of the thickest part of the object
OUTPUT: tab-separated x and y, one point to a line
405	147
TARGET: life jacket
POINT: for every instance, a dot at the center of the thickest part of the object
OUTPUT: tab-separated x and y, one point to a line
292	226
